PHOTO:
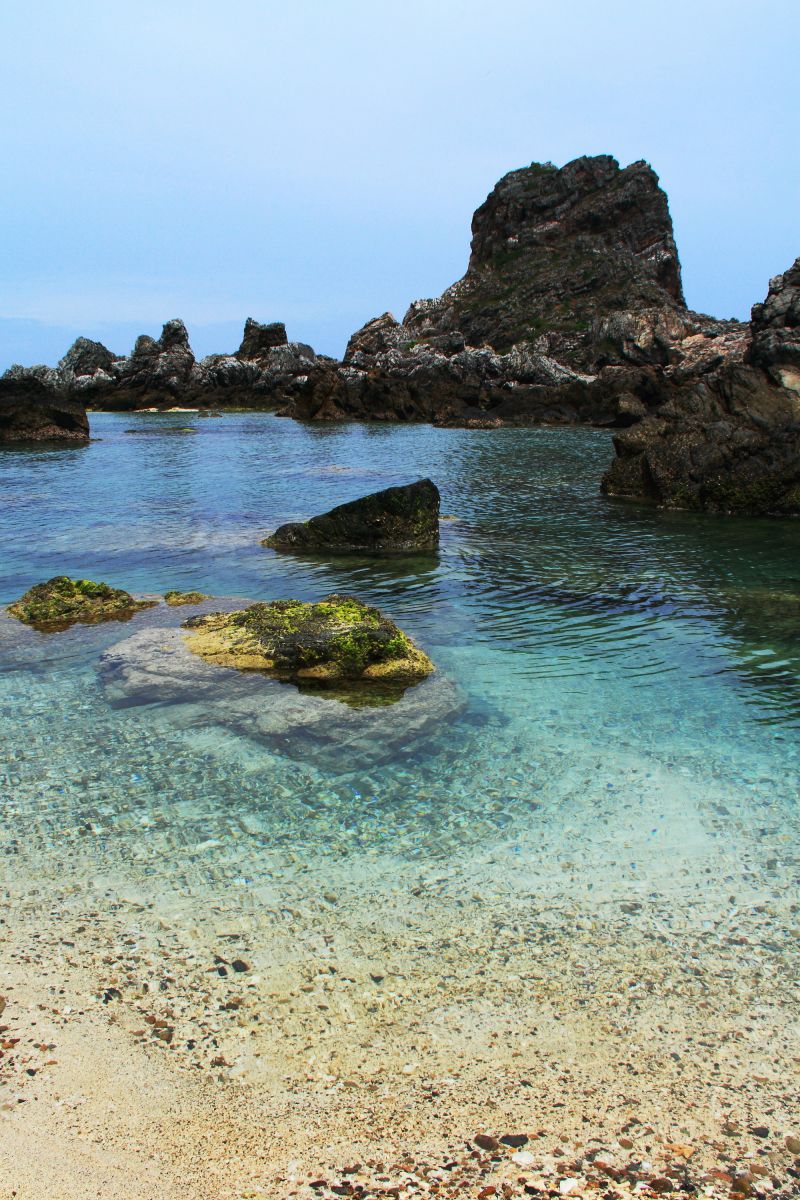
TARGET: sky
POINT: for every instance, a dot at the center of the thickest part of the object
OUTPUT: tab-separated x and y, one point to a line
318	161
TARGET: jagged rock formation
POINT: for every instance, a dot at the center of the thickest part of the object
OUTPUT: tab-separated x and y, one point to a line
571	310
258	339
727	440
31	410
396	518
163	372
555	249
571	299
775	326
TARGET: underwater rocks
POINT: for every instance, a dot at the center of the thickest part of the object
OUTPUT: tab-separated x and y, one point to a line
394	519
156	667
61	602
727	439
338	638
31	410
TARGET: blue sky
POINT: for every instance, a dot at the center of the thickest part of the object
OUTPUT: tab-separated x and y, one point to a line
318	161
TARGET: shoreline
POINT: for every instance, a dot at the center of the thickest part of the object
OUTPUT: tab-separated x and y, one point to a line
145	1052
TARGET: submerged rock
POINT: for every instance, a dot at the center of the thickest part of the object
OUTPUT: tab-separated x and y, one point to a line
339	638
396	518
175	598
33	410
61	602
154	667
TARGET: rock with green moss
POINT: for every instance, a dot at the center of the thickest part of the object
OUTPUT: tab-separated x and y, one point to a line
175	598
62	601
337	639
395	519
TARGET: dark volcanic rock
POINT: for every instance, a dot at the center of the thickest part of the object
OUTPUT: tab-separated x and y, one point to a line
32	410
86	357
573	273
555	249
776	330
260	339
727	440
397	518
163	372
729	443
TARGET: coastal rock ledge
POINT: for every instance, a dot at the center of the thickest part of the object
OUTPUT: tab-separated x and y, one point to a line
30	411
338	638
394	519
728	441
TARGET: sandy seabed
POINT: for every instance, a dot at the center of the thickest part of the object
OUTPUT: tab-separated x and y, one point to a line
349	1025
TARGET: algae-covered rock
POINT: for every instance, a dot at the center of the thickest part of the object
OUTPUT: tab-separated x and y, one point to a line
338	638
175	598
397	518
62	601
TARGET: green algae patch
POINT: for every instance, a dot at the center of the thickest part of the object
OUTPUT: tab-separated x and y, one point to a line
335	640
61	602
175	598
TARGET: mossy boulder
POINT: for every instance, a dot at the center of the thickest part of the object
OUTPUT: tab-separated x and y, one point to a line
395	519
175	598
61	602
337	639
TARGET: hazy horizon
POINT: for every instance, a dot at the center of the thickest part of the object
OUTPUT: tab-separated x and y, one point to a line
319	167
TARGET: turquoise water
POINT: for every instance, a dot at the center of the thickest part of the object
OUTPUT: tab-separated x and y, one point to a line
592	651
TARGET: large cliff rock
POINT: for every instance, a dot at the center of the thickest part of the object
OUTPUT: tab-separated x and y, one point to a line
554	251
727	440
571	300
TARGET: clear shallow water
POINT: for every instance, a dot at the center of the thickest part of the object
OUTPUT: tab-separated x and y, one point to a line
612	663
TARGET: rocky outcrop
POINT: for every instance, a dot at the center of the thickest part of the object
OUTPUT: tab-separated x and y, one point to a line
338	639
775	326
395	519
32	410
727	439
258	340
554	252
571	300
61	602
163	372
